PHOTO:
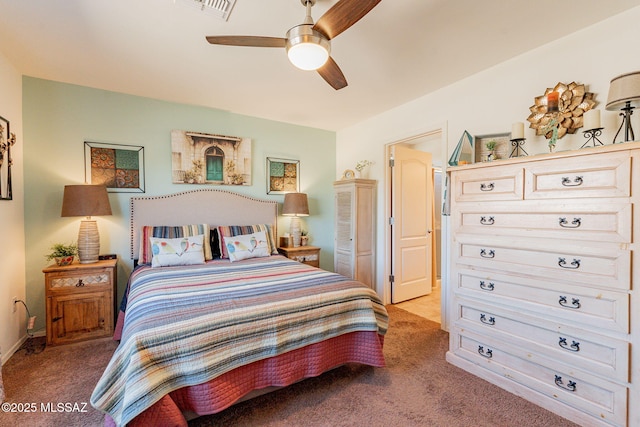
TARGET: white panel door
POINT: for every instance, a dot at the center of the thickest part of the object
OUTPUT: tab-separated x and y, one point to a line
411	232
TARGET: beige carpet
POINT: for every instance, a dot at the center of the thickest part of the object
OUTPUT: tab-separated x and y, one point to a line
58	375
417	388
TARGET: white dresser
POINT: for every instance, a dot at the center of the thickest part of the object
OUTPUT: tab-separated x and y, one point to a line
544	290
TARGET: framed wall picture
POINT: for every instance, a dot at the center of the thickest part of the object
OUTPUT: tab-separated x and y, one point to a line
119	167
283	176
206	158
7	140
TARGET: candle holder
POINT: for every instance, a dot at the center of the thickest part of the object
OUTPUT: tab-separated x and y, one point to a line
592	136
517	144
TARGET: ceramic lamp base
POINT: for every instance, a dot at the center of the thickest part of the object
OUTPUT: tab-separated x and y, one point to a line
88	242
295	231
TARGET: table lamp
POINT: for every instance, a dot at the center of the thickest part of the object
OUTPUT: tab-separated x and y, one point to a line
295	206
87	201
624	91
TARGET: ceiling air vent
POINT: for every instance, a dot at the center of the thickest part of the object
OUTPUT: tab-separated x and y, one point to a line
218	8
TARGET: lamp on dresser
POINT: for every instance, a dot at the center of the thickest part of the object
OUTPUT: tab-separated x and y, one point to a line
624	95
87	201
295	206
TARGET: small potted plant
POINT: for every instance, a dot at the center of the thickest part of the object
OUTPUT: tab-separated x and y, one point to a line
63	254
304	238
491	146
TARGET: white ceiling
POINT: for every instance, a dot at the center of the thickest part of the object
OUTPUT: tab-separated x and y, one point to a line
400	51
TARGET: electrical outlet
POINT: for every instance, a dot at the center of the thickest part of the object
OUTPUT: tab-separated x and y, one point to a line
15	304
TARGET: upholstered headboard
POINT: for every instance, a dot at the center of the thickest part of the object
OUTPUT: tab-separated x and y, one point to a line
204	206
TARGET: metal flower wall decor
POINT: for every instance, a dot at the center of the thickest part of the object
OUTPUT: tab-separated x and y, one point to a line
573	101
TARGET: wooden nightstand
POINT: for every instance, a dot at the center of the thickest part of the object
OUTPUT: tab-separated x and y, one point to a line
80	301
305	254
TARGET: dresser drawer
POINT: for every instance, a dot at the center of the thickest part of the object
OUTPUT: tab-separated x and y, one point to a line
607	220
604	400
572	304
603	265
60	281
548	342
578	177
503	183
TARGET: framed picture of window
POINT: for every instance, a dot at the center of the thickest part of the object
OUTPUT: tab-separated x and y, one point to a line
119	167
283	176
205	158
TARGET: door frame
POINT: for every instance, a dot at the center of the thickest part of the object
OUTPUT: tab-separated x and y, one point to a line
444	247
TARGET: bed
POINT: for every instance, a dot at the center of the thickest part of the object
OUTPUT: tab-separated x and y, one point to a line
232	323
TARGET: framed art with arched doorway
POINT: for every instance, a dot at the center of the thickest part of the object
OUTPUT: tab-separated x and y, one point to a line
204	158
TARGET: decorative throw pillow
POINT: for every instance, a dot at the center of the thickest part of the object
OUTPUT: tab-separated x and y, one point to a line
238	230
181	251
247	246
170	232
214	238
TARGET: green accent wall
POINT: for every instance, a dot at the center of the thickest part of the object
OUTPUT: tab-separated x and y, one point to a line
58	118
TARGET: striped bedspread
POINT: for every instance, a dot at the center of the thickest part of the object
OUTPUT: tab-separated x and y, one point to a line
187	325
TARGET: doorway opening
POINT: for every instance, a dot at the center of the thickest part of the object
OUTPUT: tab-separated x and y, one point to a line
431	305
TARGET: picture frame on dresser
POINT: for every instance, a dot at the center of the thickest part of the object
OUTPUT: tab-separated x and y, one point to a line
501	151
119	167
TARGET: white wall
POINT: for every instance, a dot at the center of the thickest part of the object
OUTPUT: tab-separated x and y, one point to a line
490	101
12	261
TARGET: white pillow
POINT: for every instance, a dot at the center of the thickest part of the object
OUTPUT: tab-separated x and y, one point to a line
179	251
247	246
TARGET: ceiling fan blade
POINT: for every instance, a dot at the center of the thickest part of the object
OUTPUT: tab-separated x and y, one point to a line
332	74
343	15
254	41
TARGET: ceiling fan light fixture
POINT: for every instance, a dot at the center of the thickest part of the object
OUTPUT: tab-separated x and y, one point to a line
307	49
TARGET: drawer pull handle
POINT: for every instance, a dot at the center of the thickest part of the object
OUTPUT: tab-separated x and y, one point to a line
574	224
491	321
571	385
485	254
485	221
576	181
575	302
575	346
80	283
488	353
487	187
575	264
486	287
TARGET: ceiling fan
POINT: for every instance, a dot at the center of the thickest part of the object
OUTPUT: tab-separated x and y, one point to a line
308	45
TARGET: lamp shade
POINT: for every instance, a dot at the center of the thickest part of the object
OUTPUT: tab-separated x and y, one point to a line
85	200
295	204
624	88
